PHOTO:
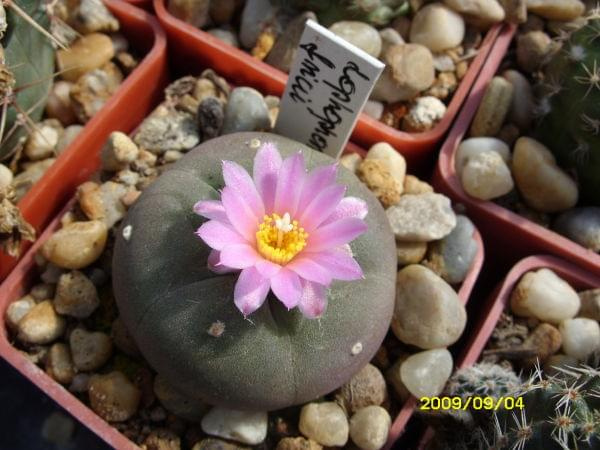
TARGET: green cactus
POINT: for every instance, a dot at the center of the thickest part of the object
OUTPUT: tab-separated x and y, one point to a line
483	379
26	72
183	318
374	12
559	412
456	428
570	107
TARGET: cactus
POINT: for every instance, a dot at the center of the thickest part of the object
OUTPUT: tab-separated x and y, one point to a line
570	107
375	12
483	379
559	412
26	71
456	429
184	320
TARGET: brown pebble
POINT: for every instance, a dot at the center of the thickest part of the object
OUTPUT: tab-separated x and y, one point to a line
493	108
89	52
365	388
376	175
546	340
297	443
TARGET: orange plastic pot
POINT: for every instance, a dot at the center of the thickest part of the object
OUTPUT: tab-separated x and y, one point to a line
135	98
464	293
511	234
24	275
499	300
188	41
143	4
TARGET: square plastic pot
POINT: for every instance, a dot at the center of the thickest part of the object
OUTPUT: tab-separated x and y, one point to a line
464	293
499	300
24	275
240	67
143	4
134	99
512	235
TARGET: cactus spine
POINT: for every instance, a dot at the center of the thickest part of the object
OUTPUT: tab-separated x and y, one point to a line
570	107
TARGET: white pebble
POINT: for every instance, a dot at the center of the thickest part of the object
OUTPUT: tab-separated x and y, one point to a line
544	295
473	146
247	427
324	423
370	427
425	374
486	176
580	337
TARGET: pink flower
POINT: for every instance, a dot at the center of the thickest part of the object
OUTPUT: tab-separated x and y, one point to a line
286	230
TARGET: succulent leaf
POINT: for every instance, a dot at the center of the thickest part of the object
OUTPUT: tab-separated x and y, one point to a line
29	56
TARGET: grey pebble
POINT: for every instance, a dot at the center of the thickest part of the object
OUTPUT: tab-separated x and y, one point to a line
452	256
256	15
170	132
210	118
226	36
246	110
581	225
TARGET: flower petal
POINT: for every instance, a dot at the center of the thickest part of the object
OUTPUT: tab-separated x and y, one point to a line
211	209
348	207
287	287
250	291
289	185
239	256
339	262
214	263
240	181
316	181
267	268
267	163
218	234
239	214
310	270
321	207
335	234
313	300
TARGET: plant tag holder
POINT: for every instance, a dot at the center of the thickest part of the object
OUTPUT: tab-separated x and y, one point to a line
329	83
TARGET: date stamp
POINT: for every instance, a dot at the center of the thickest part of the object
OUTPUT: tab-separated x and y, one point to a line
476	403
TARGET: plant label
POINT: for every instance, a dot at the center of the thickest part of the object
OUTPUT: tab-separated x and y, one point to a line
328	85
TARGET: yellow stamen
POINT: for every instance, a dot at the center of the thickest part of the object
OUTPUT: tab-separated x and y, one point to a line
279	239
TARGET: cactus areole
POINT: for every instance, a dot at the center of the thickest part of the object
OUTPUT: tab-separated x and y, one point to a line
255	342
570	107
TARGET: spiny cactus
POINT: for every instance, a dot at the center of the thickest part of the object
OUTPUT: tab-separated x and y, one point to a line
560	412
26	71
375	12
484	379
457	428
570	107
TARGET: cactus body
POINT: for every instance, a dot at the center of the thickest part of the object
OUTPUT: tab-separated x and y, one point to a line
484	379
29	56
570	125
559	412
375	12
173	305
